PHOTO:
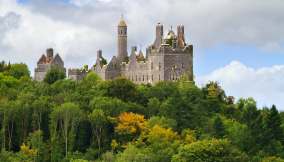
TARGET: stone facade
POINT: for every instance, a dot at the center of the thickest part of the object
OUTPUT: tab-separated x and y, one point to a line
77	74
46	62
167	59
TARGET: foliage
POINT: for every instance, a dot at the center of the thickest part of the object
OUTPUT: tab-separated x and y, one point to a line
210	151
54	74
61	120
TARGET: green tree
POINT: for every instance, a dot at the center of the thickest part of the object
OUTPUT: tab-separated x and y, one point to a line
219	129
64	120
161	121
19	70
209	151
123	89
273	123
35	141
133	154
54	74
98	121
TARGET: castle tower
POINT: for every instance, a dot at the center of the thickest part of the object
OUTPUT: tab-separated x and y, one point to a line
159	35
180	36
122	40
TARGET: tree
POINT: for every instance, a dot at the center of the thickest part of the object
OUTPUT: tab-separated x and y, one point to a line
161	143
272	159
273	124
130	124
161	121
54	74
210	151
98	121
35	141
19	70
219	129
123	89
134	154
65	119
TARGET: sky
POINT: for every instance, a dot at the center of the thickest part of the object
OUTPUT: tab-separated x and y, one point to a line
239	43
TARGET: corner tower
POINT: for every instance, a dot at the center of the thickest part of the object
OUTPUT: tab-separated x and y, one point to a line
122	40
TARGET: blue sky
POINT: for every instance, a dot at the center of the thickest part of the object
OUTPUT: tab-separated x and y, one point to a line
218	56
240	44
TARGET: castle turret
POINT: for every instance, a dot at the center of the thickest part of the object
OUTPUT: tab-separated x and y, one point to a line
122	40
180	36
159	35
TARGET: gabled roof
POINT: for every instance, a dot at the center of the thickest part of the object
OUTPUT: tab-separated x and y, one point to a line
42	59
57	60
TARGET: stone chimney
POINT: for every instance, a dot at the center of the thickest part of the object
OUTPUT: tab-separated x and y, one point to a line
49	54
99	54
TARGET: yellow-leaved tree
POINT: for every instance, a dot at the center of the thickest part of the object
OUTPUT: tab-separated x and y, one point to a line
130	125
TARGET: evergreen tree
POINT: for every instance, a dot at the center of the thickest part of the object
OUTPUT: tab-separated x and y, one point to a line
219	129
273	124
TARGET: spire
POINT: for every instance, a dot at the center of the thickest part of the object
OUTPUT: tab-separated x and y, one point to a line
122	22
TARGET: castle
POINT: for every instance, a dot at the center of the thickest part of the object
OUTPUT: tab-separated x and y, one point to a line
46	62
167	59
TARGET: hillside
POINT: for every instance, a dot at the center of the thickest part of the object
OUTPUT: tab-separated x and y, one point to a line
118	121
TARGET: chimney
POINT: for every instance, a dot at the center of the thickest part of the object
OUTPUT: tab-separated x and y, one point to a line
49	53
99	54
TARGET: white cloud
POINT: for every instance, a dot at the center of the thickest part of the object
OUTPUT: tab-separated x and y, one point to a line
77	29
263	84
26	35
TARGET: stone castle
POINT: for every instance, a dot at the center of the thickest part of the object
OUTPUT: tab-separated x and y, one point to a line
167	59
47	61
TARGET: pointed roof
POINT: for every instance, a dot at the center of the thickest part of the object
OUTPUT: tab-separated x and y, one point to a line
122	22
140	56
57	59
42	59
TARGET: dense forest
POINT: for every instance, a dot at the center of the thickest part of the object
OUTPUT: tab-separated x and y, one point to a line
61	120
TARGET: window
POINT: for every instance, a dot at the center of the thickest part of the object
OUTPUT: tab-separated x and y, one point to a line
159	77
160	66
152	65
152	77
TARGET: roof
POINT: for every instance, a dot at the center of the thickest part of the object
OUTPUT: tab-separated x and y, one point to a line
122	22
42	60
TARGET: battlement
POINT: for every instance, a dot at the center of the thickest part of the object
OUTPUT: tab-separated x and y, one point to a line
77	74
